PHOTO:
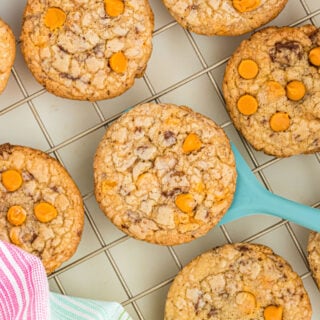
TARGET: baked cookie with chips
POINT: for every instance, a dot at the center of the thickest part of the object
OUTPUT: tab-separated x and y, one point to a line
314	255
41	208
224	17
87	50
238	281
272	90
7	53
164	173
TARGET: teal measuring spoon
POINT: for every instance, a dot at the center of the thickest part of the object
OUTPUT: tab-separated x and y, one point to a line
252	198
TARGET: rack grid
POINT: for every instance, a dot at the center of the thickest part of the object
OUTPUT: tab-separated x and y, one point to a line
185	69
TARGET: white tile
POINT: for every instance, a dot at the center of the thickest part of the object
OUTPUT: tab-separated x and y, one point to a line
78	159
93	279
201	96
296	178
11	13
241	229
161	14
216	48
143	265
107	229
20	127
53	286
172	60
302	234
218	74
187	252
132	312
133	96
313	5
153	304
11	94
71	115
291	13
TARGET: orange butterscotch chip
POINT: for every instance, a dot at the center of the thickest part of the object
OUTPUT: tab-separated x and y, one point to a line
55	18
245	5
295	90
274	90
16	215
191	143
246	302
14	236
118	62
45	212
185	202
280	121
114	7
247	104
248	69
273	313
11	179
314	56
108	185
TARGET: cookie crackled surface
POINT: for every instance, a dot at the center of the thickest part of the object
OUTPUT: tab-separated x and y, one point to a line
223	17
238	281
164	173
41	208
7	53
272	90
314	255
87	50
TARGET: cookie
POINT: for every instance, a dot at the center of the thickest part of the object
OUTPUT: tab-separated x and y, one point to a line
164	173
272	90
7	53
238	281
224	17
314	255
41	209
87	50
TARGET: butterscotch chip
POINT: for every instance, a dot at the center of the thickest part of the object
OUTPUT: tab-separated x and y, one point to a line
224	17
238	281
7	53
284	119
91	51
164	173
45	215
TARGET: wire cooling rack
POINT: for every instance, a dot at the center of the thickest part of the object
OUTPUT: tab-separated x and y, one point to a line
184	69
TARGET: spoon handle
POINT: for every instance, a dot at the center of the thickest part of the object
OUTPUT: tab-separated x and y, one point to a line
252	198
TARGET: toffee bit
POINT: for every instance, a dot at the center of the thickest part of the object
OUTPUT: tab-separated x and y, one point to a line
286	53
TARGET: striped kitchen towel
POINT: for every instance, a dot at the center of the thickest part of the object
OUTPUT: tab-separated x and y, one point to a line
24	293
72	308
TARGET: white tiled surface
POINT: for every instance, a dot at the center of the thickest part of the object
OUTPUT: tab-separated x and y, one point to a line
108	265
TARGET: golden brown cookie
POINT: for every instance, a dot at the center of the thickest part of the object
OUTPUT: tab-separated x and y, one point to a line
87	50
238	281
7	53
224	17
164	173
272	90
41	208
314	255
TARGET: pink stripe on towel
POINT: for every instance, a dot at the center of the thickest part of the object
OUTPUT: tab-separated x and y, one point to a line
24	289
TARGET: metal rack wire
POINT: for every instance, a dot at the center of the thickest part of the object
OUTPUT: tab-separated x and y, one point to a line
105	247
